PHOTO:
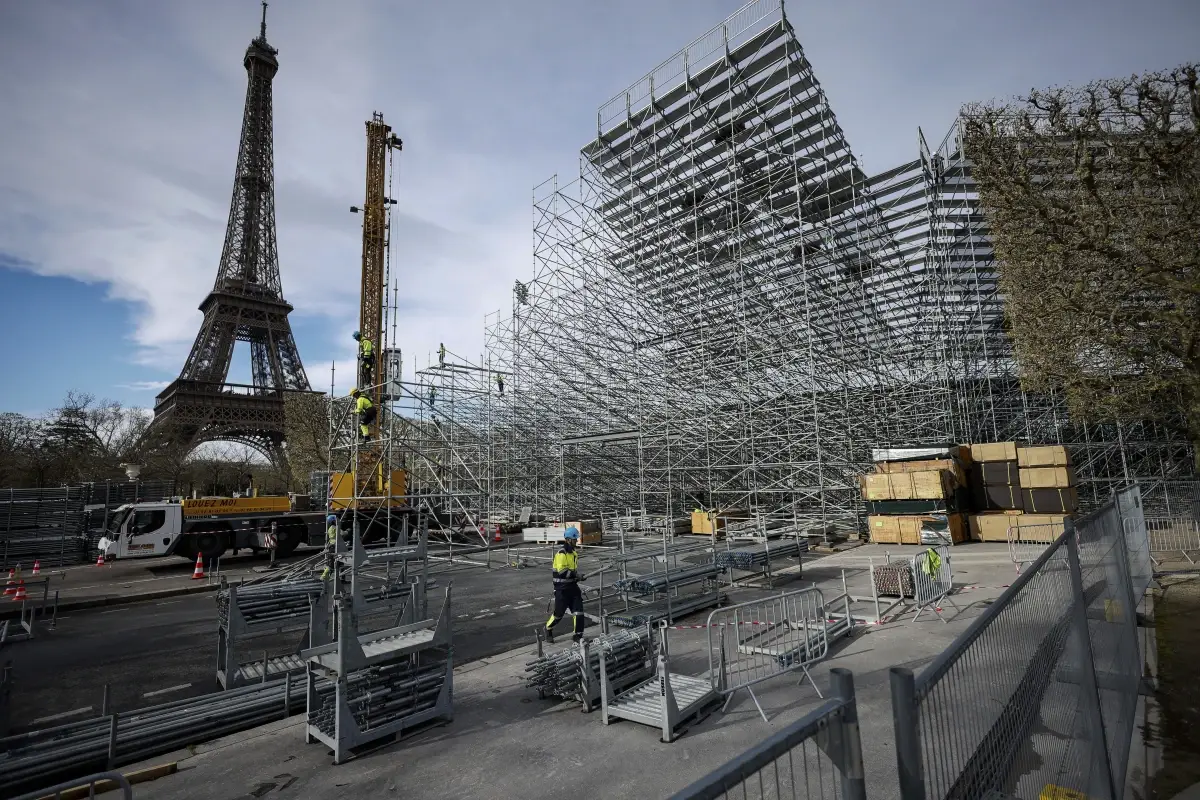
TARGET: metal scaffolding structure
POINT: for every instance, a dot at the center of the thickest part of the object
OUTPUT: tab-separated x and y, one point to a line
727	313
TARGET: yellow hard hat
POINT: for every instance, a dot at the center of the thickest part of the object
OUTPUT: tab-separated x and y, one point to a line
354	392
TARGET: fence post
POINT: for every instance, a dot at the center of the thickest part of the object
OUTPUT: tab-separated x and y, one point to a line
1089	695
853	785
905	719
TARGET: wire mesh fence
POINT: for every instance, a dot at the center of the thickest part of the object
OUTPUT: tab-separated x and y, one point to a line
817	756
1037	697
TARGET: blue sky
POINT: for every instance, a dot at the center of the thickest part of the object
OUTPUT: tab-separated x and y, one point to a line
122	119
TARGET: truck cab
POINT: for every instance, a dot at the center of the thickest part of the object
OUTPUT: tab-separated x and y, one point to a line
143	529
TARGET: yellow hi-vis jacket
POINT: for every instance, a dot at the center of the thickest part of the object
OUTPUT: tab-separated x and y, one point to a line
365	348
331	535
565	567
363	404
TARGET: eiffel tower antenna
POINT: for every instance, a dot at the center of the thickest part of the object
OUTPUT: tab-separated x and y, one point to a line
246	302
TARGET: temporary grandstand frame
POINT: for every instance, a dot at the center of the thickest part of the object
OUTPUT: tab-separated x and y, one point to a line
727	313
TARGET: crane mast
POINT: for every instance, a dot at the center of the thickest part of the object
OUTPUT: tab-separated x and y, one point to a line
380	140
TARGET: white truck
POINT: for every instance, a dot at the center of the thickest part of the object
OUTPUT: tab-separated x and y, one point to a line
208	526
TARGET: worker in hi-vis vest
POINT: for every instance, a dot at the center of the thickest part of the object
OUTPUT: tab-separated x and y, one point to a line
331	533
366	413
366	358
567	596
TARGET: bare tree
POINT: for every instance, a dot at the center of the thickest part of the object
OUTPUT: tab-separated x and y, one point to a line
306	427
1092	196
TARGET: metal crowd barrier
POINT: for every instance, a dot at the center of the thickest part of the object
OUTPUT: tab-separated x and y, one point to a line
1027	542
1037	697
817	756
1172	535
95	784
1131	509
933	579
752	642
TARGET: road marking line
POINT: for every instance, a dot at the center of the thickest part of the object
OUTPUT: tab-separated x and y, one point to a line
485	616
519	606
111	611
169	603
168	689
63	715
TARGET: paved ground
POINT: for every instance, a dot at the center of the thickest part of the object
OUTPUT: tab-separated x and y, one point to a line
165	649
504	742
123	581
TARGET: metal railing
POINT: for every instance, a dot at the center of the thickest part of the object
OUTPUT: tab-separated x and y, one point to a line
817	756
95	784
752	642
1037	696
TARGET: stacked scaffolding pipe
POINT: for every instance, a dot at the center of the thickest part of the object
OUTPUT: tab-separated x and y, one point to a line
662	581
753	558
381	695
562	673
38	757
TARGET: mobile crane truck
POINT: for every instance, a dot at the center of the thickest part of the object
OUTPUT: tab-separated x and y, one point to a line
208	526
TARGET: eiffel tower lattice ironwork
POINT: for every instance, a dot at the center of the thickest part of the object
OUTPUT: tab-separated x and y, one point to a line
246	302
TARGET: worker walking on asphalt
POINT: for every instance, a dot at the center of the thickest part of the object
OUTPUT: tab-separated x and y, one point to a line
567	596
331	533
366	413
366	358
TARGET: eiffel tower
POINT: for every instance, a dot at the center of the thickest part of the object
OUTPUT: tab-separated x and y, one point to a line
246	303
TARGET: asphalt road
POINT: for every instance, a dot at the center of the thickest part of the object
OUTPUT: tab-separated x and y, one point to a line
159	651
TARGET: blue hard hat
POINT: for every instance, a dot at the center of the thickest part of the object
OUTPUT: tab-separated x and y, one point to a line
331	519
356	335
571	533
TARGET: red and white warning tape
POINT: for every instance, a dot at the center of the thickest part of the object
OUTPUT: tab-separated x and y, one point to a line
717	625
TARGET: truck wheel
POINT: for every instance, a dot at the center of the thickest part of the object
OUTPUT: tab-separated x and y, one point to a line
210	544
290	536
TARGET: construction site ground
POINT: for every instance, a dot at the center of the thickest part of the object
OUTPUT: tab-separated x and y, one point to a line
153	647
133	580
506	742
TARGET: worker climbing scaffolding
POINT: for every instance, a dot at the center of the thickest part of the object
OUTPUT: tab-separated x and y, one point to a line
441	354
331	533
500	384
366	359
366	412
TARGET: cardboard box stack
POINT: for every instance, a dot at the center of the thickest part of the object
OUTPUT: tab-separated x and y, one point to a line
917	495
1014	486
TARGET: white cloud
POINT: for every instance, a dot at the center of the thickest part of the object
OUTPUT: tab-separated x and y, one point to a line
144	386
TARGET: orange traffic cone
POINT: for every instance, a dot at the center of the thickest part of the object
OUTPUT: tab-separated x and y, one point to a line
198	572
11	587
37	567
20	595
100	559
497	537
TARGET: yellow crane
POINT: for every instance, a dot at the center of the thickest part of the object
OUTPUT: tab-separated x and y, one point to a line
375	229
